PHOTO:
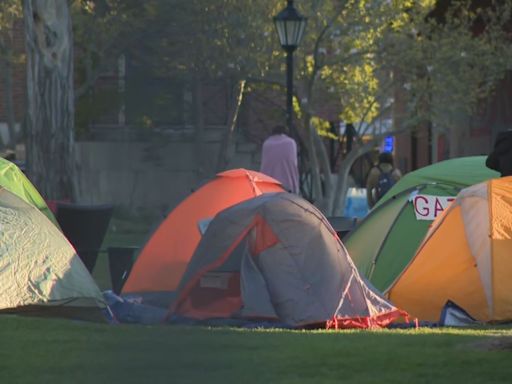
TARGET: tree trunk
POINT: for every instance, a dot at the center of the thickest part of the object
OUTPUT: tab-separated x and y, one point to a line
225	152
456	141
340	193
199	139
50	109
314	168
9	105
325	167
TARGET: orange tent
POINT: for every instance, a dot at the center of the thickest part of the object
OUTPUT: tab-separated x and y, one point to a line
464	258
163	259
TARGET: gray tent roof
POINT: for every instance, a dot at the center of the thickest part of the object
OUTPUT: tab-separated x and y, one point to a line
291	263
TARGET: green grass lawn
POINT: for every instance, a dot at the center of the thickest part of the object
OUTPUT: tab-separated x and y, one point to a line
38	350
59	351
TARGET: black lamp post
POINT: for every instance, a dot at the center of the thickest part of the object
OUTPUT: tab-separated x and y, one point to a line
290	25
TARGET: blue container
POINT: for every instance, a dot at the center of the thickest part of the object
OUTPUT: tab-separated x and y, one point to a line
356	204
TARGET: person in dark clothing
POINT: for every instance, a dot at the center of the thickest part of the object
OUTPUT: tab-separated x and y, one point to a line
500	159
381	178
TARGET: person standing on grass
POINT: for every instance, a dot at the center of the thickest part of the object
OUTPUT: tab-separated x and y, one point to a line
279	159
381	178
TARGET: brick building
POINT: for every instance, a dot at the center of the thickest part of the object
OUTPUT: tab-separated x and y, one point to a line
426	145
18	81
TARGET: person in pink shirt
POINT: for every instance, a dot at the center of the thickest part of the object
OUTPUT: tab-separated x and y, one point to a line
279	159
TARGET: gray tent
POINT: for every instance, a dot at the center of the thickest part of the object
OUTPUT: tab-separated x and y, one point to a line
276	257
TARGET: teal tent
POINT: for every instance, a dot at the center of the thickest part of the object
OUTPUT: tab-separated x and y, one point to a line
384	242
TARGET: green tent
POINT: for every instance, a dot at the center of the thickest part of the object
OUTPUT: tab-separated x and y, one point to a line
384	242
15	181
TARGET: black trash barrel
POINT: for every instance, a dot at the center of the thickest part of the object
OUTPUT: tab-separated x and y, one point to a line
120	261
85	227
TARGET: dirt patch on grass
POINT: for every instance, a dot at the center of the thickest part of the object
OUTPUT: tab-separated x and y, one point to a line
498	343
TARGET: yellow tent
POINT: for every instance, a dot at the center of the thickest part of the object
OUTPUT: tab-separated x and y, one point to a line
466	257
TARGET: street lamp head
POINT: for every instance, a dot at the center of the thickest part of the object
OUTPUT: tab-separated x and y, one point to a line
290	25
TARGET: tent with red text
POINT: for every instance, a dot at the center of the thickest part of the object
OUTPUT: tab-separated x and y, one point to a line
276	257
400	220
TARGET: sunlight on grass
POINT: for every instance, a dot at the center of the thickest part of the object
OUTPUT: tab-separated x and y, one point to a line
68	351
38	350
